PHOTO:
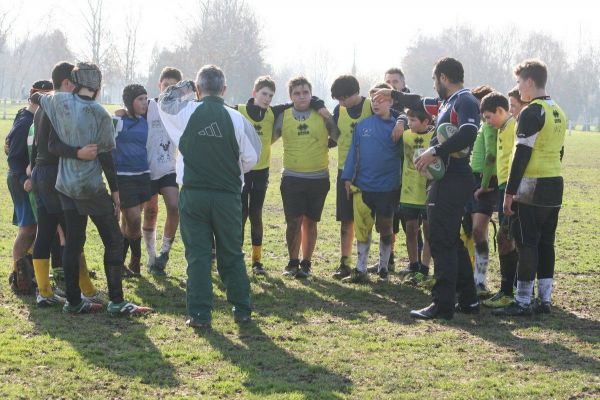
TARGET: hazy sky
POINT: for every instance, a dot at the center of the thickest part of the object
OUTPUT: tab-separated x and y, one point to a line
381	30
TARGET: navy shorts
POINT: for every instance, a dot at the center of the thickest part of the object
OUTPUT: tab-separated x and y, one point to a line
382	204
134	190
413	213
303	196
487	201
343	206
169	180
23	213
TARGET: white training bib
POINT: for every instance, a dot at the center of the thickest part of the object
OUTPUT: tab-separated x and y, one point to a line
162	152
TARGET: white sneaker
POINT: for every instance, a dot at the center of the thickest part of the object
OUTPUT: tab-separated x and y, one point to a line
95	299
42	301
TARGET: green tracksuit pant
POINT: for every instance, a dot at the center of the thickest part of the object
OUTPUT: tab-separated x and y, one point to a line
204	213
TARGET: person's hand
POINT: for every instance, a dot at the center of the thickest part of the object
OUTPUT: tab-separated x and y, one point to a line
424	159
28	170
382	95
89	152
507	206
116	203
398	132
481	191
348	185
121	112
324	113
27	185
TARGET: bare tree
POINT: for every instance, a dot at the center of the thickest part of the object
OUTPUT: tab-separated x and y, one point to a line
130	52
96	34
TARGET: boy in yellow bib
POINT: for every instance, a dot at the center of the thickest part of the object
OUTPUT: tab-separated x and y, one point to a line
305	176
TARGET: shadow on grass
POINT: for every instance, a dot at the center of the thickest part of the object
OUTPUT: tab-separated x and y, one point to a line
545	349
271	370
117	344
346	301
165	294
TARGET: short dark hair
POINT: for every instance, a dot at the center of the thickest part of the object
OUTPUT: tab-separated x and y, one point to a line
298	81
170	73
514	93
450	67
420	115
392	71
481	91
534	69
210	80
264	81
492	101
381	85
344	86
60	72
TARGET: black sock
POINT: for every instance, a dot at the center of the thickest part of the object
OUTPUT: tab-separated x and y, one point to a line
305	263
294	262
136	247
508	270
391	258
424	269
414	267
125	247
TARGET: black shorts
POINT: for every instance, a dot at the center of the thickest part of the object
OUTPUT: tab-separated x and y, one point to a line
169	180
43	179
487	201
413	213
256	180
343	206
303	196
134	190
382	204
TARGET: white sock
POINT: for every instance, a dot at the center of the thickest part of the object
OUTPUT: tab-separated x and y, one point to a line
166	244
481	265
362	248
150	241
545	289
524	292
384	254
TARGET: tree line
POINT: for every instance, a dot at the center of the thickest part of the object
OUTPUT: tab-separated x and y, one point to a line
228	34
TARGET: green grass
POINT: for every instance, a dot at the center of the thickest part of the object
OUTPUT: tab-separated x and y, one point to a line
316	339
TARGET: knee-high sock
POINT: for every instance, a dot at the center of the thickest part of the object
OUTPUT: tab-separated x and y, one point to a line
150	242
524	291
482	259
545	289
362	248
385	248
85	283
41	268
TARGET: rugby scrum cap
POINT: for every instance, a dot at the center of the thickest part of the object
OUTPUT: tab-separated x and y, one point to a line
130	92
40	86
87	75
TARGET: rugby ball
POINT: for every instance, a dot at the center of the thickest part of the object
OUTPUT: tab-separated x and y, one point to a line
444	132
434	171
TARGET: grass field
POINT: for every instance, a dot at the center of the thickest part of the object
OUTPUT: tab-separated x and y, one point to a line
318	339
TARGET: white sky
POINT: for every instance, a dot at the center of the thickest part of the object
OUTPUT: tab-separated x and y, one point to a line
381	30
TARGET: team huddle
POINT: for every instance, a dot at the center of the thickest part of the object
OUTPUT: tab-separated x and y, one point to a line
437	168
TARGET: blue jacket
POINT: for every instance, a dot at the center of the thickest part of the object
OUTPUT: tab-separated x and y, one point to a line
18	156
374	160
130	154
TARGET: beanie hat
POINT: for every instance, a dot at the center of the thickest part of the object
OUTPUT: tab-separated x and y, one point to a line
130	92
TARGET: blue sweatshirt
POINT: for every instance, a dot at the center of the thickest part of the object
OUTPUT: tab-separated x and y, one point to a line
373	163
18	156
130	154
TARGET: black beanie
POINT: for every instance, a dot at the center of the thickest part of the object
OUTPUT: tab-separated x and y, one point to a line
130	92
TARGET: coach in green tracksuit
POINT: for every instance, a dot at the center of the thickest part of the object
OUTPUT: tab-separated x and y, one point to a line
217	145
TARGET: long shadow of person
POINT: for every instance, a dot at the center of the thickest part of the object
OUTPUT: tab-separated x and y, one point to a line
166	294
547	340
271	370
119	345
348	302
